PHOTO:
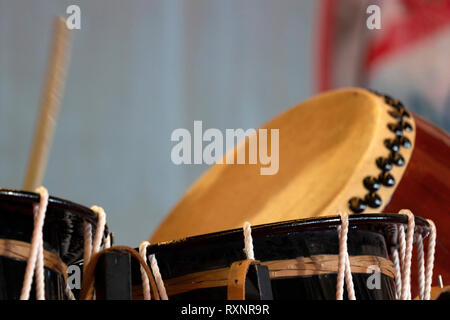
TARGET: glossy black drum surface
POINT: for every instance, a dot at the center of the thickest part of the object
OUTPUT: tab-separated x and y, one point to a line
369	235
63	236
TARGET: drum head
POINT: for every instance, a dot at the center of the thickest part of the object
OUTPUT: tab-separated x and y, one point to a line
328	145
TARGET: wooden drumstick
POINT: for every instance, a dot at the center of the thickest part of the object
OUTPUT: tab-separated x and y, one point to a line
49	105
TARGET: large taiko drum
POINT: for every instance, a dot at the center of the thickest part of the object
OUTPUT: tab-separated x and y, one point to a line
63	241
348	150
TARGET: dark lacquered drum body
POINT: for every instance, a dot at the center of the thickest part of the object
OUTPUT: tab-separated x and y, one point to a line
62	234
301	257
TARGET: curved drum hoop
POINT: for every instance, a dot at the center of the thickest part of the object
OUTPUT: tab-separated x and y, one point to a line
62	234
301	257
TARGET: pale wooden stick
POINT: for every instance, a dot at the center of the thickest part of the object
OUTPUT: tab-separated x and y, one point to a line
49	105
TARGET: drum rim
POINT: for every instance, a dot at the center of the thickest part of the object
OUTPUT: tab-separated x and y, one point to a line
54	202
69	255
297	225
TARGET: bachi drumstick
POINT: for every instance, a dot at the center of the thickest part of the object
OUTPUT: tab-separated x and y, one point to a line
49	104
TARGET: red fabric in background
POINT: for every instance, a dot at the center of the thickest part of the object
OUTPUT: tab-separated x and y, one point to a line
325	44
422	20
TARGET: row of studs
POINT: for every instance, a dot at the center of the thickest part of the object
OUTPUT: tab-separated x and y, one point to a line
373	184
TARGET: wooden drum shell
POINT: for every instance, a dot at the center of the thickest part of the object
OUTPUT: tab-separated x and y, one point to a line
425	190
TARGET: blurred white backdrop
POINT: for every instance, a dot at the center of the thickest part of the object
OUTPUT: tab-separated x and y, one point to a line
139	70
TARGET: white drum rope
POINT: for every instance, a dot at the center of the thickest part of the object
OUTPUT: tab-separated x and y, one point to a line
158	279
349	279
402	243
430	260
341	270
108	241
406	267
398	273
87	244
421	267
344	270
69	293
35	262
39	273
101	222
400	261
153	263
92	246
440	282
145	282
248	241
